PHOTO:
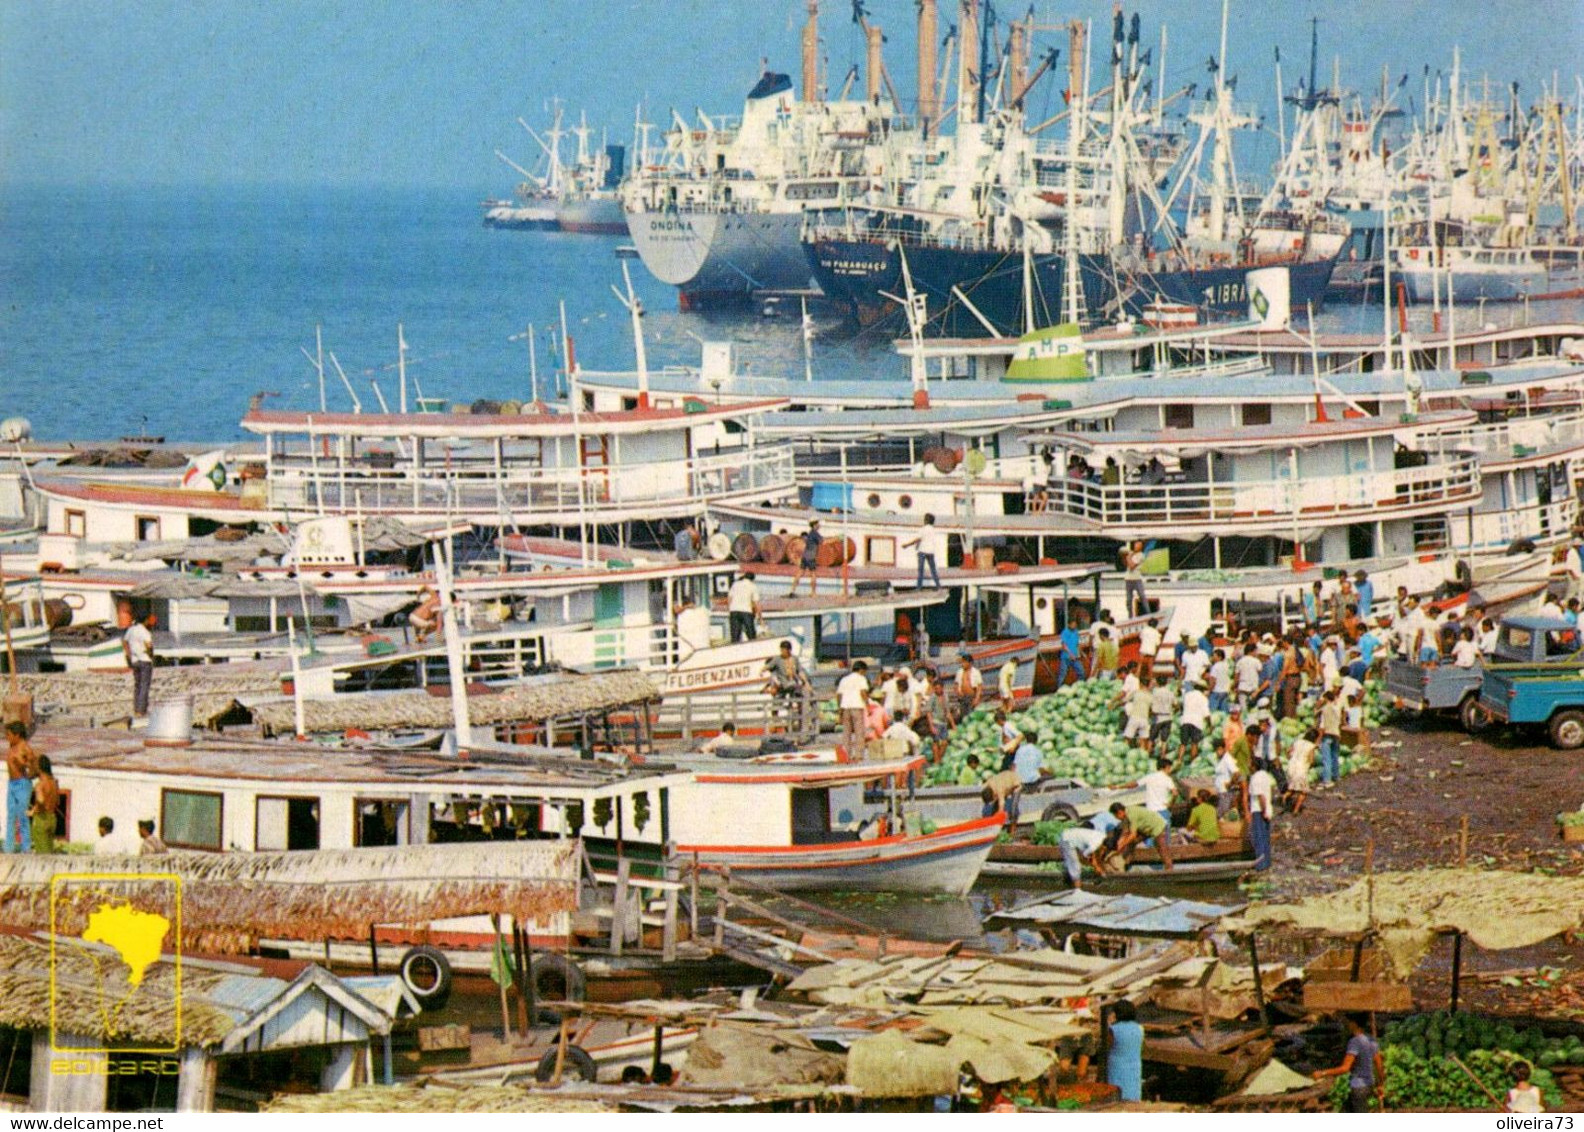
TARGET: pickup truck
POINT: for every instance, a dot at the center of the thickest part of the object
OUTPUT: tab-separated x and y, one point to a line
1523	640
1549	693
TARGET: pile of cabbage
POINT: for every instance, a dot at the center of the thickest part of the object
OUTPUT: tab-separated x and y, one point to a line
1080	734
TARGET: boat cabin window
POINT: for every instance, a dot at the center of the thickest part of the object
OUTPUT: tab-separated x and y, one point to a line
1560	643
192	819
1256	415
148	528
825	814
1177	416
286	823
380	821
77	524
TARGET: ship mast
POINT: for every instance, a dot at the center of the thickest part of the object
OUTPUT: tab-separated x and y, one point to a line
927	25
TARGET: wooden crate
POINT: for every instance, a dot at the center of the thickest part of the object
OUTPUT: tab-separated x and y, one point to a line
1329	983
435	1038
1573	834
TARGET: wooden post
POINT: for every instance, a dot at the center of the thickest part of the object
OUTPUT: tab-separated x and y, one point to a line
659	1050
1457	967
693	906
618	936
1463	828
561	1048
668	937
373	951
530	993
1259	986
524	984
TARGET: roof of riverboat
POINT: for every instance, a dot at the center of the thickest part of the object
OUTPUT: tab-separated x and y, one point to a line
492	425
280	763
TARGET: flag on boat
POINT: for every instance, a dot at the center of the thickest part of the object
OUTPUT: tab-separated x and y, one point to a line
1053	354
206	470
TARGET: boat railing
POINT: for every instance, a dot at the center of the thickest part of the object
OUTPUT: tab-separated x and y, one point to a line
1436	483
1516	438
476	484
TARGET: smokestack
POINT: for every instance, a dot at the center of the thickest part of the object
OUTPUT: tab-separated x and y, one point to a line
1077	34
1017	49
928	111
968	76
872	34
811	53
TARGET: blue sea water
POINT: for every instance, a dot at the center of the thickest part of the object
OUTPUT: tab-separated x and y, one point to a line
161	310
174	305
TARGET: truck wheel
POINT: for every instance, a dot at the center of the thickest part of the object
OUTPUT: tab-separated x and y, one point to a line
1059	811
1473	717
1567	730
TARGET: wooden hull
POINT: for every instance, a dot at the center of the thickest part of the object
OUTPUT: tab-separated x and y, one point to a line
946	861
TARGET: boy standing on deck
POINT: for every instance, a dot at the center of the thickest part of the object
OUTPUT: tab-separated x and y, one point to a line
137	645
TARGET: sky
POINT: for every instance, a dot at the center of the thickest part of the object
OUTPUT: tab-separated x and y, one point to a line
400	92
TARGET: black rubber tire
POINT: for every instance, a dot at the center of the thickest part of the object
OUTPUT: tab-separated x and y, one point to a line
1058	811
426	972
555	979
1473	717
1567	730
1464	573
577	1063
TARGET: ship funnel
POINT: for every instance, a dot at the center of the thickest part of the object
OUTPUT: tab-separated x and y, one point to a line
927	30
1270	297
875	63
811	53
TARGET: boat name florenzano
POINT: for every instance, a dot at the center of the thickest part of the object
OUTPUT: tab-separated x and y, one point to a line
715	676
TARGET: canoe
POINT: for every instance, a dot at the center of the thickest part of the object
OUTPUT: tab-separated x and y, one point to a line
1137	876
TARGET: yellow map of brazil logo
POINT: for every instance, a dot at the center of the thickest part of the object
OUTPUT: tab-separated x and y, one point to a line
125	963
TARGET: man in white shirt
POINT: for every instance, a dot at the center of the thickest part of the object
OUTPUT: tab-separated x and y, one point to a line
1137	710
1228	792
902	733
1195	663
852	700
931	545
1195	718
1466	653
742	607
1487	637
1149	643
1248	676
1159	789
1162	704
110	843
1220	682
726	738
1262	808
137	645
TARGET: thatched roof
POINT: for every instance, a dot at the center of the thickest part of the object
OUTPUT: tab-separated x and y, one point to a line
435	1096
231	900
538	699
73	987
381	533
108	695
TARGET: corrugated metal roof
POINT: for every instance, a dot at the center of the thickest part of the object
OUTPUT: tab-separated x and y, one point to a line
1124	914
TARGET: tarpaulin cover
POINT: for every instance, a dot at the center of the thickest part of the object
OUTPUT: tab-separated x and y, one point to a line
1496	910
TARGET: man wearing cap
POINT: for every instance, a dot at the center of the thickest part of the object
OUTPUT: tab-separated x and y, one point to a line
809	562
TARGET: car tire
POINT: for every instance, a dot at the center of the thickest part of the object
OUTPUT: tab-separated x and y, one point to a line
1058	811
1567	730
1473	717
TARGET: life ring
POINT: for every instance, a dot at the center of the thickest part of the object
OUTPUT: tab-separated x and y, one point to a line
577	1061
427	973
